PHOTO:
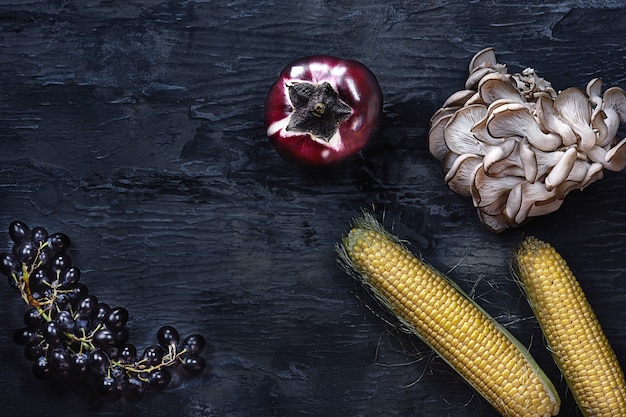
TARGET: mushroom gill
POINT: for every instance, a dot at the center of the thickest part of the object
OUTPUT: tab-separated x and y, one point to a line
517	147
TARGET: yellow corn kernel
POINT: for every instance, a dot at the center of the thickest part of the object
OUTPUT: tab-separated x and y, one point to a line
572	331
485	354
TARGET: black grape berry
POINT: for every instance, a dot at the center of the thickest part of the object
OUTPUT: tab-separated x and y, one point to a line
65	320
159	378
34	350
70	277
8	264
87	306
41	368
117	318
32	318
70	335
102	311
39	234
107	385
52	333
79	365
194	364
167	335
59	360
104	339
19	232
99	362
194	344
128	353
59	242
27	252
25	336
153	355
60	262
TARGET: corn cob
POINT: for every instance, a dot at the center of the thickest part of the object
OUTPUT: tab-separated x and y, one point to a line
431	306
571	329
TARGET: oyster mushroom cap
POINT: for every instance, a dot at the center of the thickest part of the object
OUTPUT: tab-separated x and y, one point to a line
513	204
544	111
496	223
594	173
457	132
510	166
441	113
502	102
561	170
579	171
486	189
546	161
529	161
526	197
436	144
582	174
458	99
492	202
496	207
483	58
497	86
616	157
497	154
544	207
614	109
448	161
477	75
475	99
604	133
573	107
480	128
459	176
615	98
597	154
515	120
594	91
604	136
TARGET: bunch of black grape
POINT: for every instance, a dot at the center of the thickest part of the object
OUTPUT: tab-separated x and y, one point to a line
70	335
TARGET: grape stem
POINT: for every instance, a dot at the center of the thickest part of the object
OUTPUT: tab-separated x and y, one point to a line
85	340
23	283
139	368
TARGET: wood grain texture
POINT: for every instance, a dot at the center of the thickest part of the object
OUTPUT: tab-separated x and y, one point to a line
136	128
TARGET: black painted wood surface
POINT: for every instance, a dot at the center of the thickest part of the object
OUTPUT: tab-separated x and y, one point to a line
136	128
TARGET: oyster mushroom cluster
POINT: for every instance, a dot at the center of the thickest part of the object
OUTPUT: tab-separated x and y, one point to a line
517	147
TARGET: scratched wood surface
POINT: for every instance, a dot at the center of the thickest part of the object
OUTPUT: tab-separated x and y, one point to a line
136	128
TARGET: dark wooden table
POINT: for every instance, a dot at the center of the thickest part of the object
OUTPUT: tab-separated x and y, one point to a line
136	128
